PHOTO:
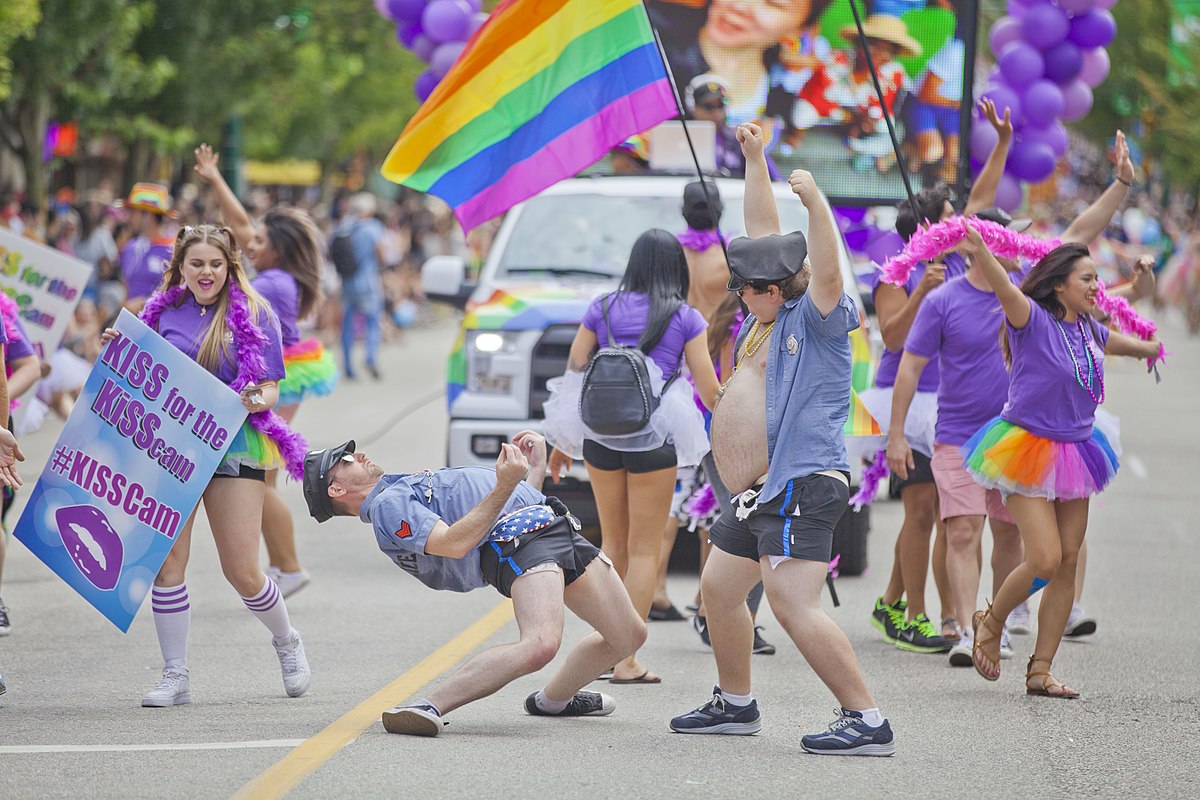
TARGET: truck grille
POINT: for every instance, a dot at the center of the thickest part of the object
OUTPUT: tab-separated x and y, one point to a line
549	361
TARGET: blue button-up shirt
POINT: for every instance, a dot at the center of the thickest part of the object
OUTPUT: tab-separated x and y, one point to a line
808	390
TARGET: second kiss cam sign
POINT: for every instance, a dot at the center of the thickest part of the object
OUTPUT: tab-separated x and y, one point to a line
148	431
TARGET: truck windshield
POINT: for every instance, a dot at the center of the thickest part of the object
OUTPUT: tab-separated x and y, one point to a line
592	234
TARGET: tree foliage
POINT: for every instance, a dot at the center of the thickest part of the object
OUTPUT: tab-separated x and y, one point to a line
17	19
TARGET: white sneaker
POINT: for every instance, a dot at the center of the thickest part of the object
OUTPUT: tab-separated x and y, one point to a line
288	582
413	720
3	685
296	674
1018	620
172	690
5	622
1006	650
1079	623
960	654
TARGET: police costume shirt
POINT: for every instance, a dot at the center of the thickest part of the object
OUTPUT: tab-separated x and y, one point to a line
403	510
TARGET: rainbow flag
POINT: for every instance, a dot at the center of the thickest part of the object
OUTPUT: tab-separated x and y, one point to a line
862	376
543	90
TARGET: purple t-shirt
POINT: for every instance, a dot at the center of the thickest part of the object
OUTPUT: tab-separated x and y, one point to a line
961	325
143	263
1045	397
17	348
183	327
889	362
283	293
628	312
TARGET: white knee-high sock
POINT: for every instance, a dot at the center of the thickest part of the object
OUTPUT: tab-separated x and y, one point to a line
172	618
270	609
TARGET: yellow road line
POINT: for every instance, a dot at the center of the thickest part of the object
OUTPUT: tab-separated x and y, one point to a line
286	774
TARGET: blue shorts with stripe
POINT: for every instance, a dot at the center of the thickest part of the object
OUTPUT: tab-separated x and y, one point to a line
798	523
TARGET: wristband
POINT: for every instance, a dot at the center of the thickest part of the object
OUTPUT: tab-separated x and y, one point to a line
1127	183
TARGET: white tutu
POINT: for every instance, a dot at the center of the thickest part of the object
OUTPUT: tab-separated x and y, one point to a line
1110	426
918	426
677	421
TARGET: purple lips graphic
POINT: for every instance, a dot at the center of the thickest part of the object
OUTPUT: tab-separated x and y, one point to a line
92	544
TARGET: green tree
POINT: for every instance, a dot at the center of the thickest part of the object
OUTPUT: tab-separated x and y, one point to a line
17	18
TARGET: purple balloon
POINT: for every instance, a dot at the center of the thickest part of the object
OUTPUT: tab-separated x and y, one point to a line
447	21
423	46
1005	31
1095	66
1021	64
1095	28
475	5
1043	103
1054	137
983	139
476	22
1077	101
1045	26
1004	97
405	10
886	245
444	57
1009	193
1104	5
1031	161
1017	8
1063	62
407	33
1076	6
424	85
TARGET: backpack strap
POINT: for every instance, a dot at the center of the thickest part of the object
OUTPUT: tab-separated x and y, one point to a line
607	327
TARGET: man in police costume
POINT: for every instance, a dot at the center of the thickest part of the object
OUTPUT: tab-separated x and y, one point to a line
461	529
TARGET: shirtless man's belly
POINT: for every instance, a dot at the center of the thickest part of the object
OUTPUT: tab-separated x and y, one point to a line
739	426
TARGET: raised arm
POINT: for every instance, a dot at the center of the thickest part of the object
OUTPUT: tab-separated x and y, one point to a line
899	452
1012	300
231	208
983	193
1092	222
1142	283
896	310
461	538
762	216
825	287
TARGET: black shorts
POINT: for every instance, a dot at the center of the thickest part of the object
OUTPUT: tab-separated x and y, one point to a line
636	461
922	472
249	473
558	543
798	523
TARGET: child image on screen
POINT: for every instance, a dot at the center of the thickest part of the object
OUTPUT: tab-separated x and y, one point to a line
933	113
800	82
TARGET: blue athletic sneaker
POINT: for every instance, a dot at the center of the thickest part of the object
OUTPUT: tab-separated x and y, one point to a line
848	735
717	716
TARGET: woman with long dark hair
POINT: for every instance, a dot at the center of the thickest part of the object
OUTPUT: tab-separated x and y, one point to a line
633	476
1044	451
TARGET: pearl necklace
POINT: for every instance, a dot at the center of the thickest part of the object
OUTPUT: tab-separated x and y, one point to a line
1095	376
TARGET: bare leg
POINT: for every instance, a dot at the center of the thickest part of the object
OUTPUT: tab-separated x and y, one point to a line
705	549
1081	573
941	577
726	581
794	592
1072	518
612	506
895	587
661	598
278	531
913	544
1007	552
962	564
234	509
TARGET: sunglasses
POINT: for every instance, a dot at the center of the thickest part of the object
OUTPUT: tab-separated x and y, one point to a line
739	284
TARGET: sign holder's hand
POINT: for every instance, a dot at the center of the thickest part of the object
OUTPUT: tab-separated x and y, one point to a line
10	454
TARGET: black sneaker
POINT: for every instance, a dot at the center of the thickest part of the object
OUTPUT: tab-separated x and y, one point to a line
700	626
583	704
887	619
761	646
717	716
919	636
5	622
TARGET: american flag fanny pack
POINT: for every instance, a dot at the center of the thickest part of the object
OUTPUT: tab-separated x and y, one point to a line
522	522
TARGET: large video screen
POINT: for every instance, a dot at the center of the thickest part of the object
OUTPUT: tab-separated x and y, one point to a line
796	67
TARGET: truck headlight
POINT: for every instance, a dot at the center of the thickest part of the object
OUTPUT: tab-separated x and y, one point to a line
482	375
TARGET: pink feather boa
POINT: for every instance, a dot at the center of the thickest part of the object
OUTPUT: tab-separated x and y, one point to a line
250	342
873	475
10	311
1122	317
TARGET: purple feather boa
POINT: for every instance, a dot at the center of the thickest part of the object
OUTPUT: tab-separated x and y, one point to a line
703	503
872	477
250	342
699	241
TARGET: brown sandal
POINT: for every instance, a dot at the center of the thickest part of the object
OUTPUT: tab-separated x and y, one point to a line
979	622
1051	686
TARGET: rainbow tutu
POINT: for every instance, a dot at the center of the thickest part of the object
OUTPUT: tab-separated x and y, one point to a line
252	449
310	370
1007	457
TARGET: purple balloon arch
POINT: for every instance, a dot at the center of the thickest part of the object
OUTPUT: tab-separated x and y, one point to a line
436	31
1050	54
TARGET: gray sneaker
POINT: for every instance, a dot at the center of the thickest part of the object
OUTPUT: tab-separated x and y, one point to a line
1006	648
1079	623
1018	620
5	622
419	720
288	582
296	674
3	685
173	690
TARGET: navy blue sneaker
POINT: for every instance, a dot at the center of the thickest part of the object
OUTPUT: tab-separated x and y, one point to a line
700	626
717	716
848	735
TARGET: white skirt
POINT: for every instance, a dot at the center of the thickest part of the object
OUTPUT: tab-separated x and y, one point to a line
676	421
918	426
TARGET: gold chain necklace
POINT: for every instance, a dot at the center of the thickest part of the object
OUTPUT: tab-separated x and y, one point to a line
753	344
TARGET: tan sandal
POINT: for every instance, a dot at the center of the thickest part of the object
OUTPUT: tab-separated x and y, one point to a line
979	623
1051	686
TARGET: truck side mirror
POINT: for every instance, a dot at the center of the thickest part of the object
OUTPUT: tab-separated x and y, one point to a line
444	280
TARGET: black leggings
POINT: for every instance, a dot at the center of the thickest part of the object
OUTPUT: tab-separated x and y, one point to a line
636	461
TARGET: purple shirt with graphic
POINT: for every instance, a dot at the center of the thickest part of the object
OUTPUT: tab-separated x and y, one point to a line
960	325
143	263
1044	396
280	289
628	312
184	327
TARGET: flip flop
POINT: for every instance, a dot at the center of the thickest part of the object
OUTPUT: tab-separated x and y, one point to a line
668	614
643	678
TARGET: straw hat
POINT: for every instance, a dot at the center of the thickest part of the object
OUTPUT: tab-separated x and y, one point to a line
152	197
885	28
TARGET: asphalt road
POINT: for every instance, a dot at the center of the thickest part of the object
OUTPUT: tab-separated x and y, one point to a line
71	725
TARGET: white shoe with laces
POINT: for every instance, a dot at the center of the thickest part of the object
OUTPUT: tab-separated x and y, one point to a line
173	690
1079	623
960	654
1018	620
296	674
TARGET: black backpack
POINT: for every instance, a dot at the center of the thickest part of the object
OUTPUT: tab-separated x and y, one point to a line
341	250
617	397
